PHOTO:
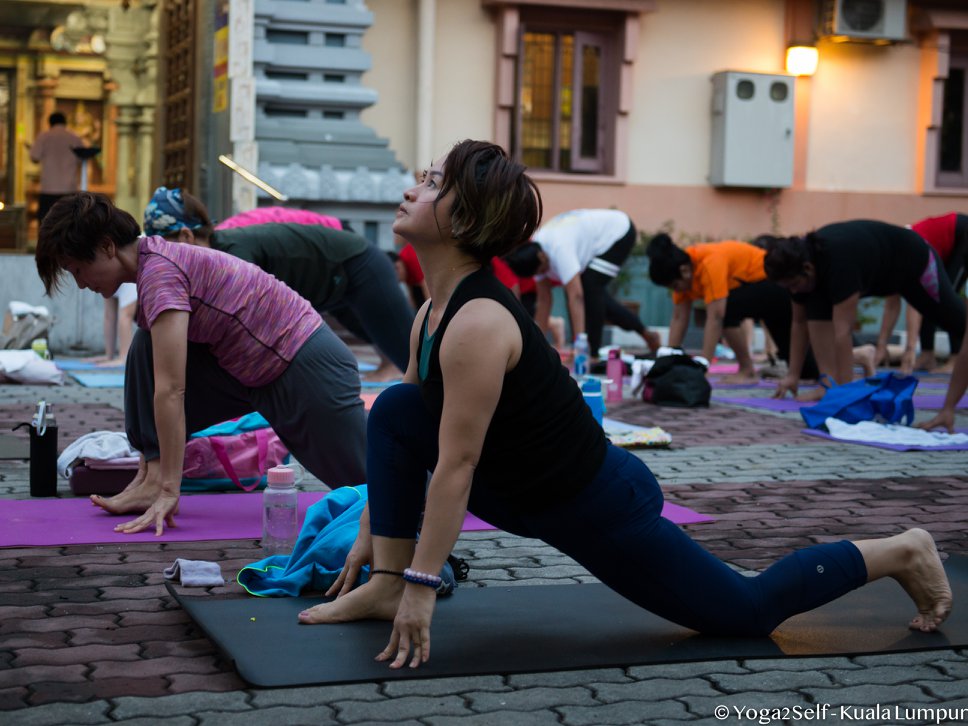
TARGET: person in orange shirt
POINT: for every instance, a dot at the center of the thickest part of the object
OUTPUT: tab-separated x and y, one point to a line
729	277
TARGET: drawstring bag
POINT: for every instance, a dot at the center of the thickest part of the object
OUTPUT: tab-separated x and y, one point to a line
885	398
676	380
233	454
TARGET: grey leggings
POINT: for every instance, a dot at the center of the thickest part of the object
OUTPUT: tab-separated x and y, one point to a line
314	406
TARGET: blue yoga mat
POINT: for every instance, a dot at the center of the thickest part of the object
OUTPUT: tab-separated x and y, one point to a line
83	365
99	380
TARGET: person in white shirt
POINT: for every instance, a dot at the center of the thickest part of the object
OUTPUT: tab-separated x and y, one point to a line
582	250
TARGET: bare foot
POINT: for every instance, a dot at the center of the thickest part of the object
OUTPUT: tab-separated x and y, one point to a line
926	361
741	377
99	501
923	578
812	395
137	497
377	599
865	356
948	366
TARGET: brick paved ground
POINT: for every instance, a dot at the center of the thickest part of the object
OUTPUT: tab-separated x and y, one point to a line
88	635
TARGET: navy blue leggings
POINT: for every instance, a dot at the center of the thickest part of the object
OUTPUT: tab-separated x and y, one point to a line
613	528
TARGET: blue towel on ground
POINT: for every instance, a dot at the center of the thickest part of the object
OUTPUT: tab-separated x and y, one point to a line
324	541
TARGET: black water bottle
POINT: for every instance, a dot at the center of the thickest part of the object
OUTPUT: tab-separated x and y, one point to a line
43	452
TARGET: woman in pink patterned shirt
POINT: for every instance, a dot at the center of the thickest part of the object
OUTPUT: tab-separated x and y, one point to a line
218	338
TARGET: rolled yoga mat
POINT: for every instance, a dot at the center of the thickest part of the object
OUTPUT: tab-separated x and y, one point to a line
543	628
201	517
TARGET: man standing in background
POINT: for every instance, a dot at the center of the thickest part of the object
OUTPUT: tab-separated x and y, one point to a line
59	165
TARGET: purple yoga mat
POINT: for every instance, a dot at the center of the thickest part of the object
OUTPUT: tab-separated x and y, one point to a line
890	447
56	522
928	401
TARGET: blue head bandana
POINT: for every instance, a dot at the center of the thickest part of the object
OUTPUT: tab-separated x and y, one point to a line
165	213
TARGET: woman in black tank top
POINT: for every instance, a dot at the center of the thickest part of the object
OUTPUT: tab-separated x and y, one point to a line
488	408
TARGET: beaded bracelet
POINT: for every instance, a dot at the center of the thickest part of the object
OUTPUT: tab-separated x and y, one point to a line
422	578
386	572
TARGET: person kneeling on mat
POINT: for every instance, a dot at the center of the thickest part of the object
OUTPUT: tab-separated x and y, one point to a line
831	269
217	339
487	406
730	278
583	250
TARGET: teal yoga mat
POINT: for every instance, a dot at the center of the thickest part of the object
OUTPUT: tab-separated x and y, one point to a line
543	628
92	379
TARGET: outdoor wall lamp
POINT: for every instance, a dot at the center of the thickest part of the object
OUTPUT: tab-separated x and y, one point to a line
801	60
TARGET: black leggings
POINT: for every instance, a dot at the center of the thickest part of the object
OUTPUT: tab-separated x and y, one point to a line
599	303
770	303
957	269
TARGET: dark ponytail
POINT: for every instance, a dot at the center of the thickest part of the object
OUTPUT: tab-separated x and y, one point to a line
665	260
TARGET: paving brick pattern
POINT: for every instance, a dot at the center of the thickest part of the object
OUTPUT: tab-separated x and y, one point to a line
89	635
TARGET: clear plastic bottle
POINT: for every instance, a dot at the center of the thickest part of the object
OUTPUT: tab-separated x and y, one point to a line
280	519
615	373
580	356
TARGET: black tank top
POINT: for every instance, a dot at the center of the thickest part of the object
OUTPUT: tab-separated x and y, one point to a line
543	444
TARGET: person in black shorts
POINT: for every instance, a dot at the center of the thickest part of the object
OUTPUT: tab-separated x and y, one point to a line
829	270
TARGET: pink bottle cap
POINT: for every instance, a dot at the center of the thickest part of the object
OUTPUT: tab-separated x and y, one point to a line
281	475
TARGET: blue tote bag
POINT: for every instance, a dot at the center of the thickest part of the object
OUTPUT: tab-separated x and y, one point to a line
886	397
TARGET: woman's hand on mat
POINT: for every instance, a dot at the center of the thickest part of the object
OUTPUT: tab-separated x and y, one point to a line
785	384
159	514
361	553
945	419
907	362
411	627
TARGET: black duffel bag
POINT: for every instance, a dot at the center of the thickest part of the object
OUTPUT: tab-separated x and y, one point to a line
676	380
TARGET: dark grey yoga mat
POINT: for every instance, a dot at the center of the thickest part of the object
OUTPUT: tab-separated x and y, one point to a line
544	628
14	447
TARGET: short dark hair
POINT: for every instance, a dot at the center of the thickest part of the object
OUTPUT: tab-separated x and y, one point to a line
496	207
74	228
56	118
787	256
524	260
665	260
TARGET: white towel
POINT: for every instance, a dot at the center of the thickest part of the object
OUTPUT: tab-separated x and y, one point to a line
95	446
891	434
18	308
195	573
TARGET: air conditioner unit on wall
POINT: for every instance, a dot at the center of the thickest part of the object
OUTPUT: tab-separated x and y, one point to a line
878	21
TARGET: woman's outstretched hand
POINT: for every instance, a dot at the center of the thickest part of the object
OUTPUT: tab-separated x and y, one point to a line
162	512
411	628
360	554
785	384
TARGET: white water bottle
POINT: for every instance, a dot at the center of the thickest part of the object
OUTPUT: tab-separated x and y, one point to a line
280	518
580	356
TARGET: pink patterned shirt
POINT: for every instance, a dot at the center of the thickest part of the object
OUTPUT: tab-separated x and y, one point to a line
283	215
253	324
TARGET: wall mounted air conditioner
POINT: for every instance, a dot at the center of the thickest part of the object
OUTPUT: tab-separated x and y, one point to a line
877	21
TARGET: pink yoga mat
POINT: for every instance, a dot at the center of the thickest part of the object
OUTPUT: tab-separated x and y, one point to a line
74	521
